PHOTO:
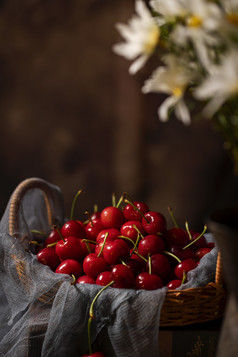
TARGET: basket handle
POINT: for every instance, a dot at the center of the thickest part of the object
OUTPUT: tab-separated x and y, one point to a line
19	193
219	280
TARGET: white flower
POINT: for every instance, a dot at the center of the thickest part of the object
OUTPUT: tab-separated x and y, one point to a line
220	85
141	35
172	80
170	8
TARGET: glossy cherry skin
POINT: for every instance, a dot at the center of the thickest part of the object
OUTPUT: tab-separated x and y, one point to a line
148	281
185	266
151	244
174	284
131	214
104	278
48	256
112	233
156	223
73	228
176	237
85	279
201	252
70	267
53	237
69	248
128	229
94	265
160	266
123	277
112	217
94	227
95	354
116	250
200	243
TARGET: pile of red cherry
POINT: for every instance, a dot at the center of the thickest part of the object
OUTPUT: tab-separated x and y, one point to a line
125	243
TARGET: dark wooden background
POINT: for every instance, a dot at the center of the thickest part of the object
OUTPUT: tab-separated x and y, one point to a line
71	114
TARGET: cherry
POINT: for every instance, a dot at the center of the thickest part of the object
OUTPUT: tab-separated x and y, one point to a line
148	281
185	266
112	233
210	245
115	251
174	284
93	228
48	256
69	248
87	247
134	265
160	266
201	252
136	212
94	265
112	217
176	237
123	276
182	253
200	243
104	278
150	244
53	237
73	228
70	267
134	255
131	229
154	222
85	279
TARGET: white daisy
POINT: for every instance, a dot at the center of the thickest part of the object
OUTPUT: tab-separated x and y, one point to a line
220	85
170	9
141	35
172	80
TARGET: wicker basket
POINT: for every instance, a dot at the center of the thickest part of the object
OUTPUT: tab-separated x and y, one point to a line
180	308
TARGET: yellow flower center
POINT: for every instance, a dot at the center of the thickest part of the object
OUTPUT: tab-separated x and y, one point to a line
194	21
177	91
232	18
152	40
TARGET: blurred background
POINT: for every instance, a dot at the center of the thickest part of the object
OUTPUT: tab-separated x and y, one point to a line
71	114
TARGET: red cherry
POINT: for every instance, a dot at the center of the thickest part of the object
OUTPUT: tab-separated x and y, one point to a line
94	265
136	257
154	223
181	253
112	217
200	243
174	284
128	229
85	279
123	277
95	354
150	244
48	256
70	267
160	265
176	237
53	237
134	265
85	247
112	233
104	278
73	228
132	214
148	281
185	266
210	245
201	252
93	228
115	251
69	248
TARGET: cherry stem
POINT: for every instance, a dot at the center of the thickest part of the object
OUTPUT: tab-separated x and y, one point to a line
119	201
89	220
114	199
74	279
149	262
188	231
139	235
104	241
195	240
172	255
184	277
140	256
52	244
173	217
129	200
95	208
35	231
59	233
34	242
73	203
127	238
91	314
